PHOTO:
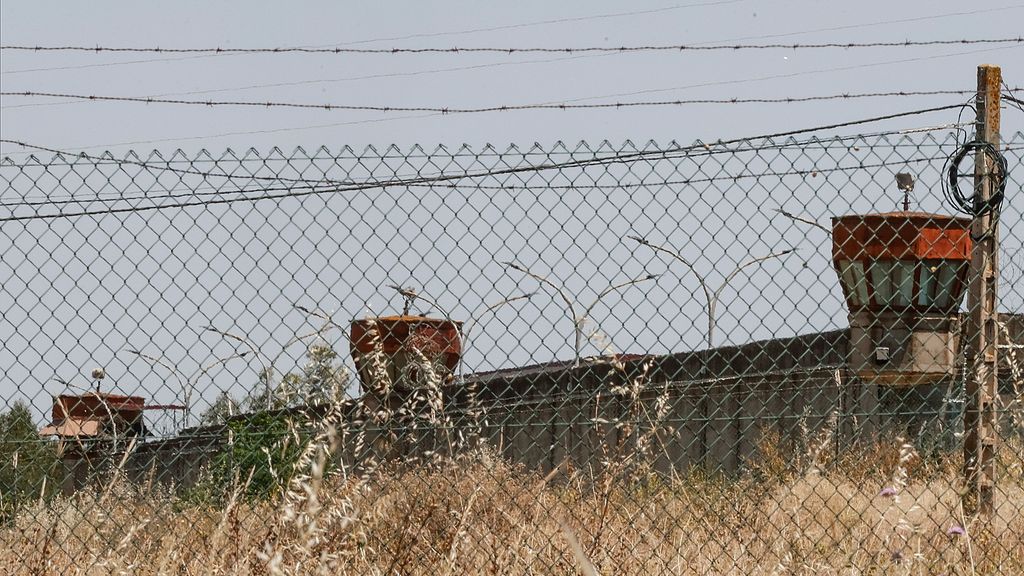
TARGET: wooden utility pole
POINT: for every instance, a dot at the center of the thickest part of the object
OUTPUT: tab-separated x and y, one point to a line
982	328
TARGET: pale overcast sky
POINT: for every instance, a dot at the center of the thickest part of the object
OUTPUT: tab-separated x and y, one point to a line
440	80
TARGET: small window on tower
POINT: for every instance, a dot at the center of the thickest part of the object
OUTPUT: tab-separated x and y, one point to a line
947	291
854	281
929	273
881	281
903	283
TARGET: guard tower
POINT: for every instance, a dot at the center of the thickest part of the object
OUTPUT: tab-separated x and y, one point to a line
93	427
904	275
90	426
404	344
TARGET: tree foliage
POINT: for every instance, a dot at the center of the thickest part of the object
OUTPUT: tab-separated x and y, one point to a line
321	380
264	443
259	457
28	464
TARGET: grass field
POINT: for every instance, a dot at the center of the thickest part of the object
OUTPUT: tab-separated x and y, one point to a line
881	508
881	511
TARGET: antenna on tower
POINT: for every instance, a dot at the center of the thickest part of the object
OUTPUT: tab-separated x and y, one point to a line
409	294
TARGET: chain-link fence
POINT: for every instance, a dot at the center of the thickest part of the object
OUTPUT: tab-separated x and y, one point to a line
597	359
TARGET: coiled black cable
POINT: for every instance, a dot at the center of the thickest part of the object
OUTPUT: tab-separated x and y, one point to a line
973	204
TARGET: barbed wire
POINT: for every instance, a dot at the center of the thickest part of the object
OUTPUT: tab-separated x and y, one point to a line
581	99
503	27
376	76
516	50
485	109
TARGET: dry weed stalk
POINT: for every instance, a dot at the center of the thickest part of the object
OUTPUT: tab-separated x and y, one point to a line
482	515
629	459
1015	407
477	513
427	402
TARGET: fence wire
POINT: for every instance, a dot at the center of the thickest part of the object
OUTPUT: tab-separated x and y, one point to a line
637	359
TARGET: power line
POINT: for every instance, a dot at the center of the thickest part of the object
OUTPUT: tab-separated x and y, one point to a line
540	23
814	172
887	22
502	108
335	80
109	64
107	159
212	190
266	131
792	74
513	187
704	149
197	193
168	168
516	50
611	159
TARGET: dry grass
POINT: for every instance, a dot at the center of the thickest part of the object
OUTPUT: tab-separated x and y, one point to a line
480	515
882	509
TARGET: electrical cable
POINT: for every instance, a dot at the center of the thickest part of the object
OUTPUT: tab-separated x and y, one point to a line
517	50
258	132
887	22
813	172
537	23
1011	96
337	80
612	159
702	148
8	156
972	204
789	75
151	166
489	152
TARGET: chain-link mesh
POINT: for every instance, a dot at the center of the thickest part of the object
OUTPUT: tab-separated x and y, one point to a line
605	359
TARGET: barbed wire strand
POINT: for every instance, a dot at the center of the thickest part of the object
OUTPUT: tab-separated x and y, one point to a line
470	31
309	82
573	100
517	50
789	75
485	109
619	95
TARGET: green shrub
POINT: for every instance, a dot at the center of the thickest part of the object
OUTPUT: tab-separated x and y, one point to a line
259	456
28	464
